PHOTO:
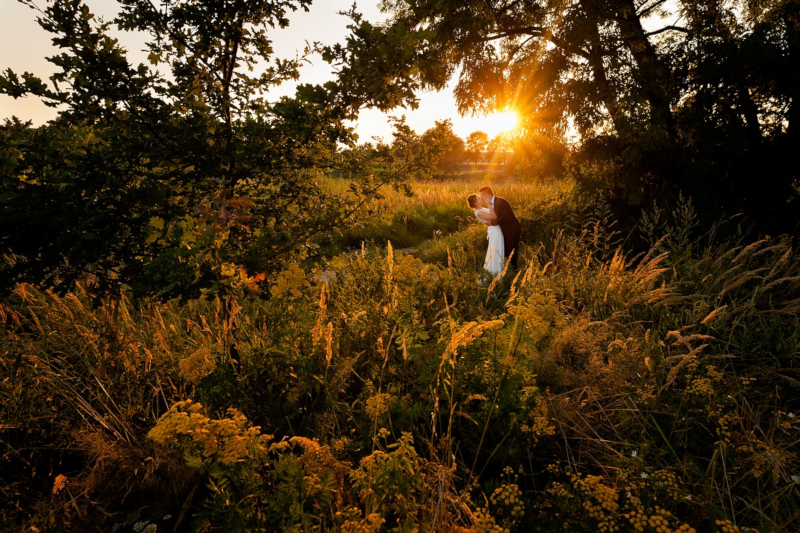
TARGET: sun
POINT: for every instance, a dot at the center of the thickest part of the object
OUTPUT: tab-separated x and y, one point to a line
492	124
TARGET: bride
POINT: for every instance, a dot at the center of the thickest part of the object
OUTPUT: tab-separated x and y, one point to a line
496	251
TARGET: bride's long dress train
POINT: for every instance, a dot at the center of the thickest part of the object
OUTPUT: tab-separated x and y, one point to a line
496	252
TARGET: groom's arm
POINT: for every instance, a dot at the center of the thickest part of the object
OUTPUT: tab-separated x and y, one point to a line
484	217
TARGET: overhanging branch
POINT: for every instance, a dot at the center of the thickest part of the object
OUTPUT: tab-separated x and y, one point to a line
647	10
667	28
535	31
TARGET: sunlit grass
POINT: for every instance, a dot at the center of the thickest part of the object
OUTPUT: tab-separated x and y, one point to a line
433	194
437	209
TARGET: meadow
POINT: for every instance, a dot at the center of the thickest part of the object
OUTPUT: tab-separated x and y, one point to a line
598	388
436	215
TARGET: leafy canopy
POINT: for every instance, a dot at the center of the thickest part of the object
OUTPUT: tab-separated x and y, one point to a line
179	176
708	106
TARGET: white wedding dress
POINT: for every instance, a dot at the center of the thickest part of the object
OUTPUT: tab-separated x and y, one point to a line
495	254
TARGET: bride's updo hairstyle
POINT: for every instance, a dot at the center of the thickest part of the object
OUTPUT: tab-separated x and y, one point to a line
472	200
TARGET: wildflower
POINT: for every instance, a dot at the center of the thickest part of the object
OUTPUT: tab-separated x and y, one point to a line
227	440
510	496
726	526
790	415
795	479
644	475
60	483
688	497
627	494
198	365
379	405
634	453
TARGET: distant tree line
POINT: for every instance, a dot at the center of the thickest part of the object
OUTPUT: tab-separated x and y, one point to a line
440	153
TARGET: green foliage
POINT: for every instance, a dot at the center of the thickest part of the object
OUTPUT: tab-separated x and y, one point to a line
591	390
386	62
453	148
434	154
176	177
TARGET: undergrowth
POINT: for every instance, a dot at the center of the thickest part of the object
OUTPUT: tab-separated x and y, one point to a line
592	390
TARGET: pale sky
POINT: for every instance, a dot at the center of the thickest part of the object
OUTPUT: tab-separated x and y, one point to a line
24	46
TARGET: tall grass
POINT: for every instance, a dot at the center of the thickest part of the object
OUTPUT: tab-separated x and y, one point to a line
439	209
593	390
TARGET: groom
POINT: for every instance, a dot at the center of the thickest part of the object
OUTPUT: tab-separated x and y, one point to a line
507	222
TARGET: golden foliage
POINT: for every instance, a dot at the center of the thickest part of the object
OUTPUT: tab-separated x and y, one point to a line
228	440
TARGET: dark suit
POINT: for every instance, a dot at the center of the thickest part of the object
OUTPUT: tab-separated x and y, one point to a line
512	230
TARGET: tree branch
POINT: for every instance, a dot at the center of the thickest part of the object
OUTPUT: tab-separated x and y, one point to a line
649	8
535	31
520	47
180	38
667	28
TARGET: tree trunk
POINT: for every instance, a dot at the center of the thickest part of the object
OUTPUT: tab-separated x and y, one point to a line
750	114
596	54
652	75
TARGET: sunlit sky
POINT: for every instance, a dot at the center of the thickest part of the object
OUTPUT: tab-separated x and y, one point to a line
24	46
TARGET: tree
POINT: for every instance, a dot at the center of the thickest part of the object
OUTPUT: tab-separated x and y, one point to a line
410	154
706	107
540	157
451	151
176	177
500	146
477	143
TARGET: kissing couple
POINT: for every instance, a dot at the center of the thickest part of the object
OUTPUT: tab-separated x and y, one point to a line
503	231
